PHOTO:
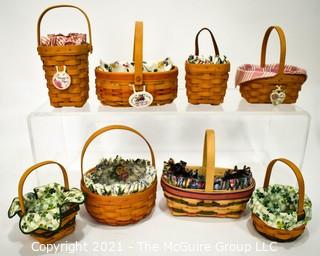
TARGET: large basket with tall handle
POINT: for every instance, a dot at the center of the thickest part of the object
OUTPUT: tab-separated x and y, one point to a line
207	202
122	209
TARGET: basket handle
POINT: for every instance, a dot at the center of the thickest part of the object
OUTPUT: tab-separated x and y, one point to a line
30	170
109	128
216	49
295	169
282	39
208	160
138	53
61	6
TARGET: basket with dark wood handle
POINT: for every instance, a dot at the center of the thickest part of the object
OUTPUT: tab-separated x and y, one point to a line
206	83
122	209
73	59
207	202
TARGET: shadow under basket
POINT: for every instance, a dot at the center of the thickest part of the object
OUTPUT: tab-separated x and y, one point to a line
74	58
123	209
207	202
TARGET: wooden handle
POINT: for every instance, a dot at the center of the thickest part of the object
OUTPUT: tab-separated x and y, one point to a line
109	128
208	160
216	49
138	53
61	6
282	39
30	170
295	169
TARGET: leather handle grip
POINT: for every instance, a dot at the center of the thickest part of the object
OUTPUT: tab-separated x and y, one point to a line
216	49
282	39
30	170
138	53
109	128
62	6
208	160
295	169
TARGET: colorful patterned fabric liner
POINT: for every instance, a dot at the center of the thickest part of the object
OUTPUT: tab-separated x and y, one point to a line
277	206
120	176
60	39
179	175
125	66
195	59
248	72
45	206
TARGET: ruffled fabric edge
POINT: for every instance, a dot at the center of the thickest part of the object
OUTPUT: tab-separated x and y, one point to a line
57	212
249	72
118	189
283	220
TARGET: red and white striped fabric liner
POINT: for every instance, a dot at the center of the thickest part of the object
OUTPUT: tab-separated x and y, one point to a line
248	72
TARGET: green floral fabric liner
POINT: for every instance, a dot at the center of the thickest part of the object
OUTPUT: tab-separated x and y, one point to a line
45	206
277	206
120	176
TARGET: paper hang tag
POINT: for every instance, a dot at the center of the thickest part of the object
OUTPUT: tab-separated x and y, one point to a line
277	96
61	79
140	99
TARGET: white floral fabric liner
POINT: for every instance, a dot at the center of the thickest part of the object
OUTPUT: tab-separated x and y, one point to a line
45	206
277	206
248	72
126	66
120	176
201	59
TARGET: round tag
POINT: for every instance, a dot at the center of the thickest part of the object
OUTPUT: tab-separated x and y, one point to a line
140	99
61	79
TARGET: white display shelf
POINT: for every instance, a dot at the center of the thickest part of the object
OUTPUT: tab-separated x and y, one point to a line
244	132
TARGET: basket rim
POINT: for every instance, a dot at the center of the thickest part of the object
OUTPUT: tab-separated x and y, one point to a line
136	194
208	65
130	75
201	194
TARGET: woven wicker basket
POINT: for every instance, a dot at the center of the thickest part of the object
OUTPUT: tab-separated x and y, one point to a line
282	235
259	90
68	218
74	58
123	209
207	202
115	88
206	83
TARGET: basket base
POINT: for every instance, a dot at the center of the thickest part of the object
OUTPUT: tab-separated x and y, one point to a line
278	235
205	208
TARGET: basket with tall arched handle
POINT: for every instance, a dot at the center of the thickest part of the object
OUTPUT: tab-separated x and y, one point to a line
67	59
122	209
206	83
207	202
281	234
272	82
115	88
67	217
